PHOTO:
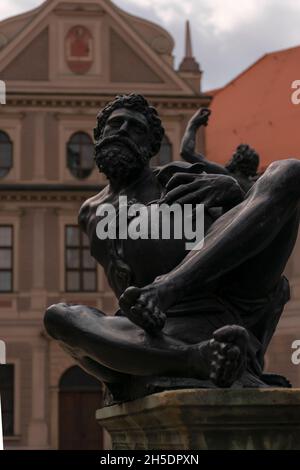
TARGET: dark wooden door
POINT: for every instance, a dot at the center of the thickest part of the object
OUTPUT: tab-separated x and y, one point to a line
78	428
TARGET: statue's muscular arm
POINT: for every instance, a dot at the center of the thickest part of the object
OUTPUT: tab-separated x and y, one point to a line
87	212
83	215
188	144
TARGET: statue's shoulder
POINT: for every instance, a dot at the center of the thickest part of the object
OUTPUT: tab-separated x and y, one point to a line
165	173
89	208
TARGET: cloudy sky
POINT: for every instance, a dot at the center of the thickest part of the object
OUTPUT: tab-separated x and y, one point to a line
227	35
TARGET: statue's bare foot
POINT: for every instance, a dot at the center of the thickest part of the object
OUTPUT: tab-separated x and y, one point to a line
228	351
141	305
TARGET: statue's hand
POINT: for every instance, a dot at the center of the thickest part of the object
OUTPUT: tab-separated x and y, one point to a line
140	305
211	190
201	117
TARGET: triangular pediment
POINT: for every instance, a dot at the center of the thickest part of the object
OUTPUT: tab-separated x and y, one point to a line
36	54
117	56
126	65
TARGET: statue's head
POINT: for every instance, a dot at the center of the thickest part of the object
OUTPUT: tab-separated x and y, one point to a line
245	160
128	133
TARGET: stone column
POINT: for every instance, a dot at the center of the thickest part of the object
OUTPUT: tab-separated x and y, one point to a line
38	428
38	297
39	146
54	407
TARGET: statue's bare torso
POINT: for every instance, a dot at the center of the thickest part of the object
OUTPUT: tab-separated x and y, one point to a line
158	256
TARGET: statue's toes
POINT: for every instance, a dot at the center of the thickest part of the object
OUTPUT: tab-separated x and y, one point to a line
233	334
132	294
226	366
233	354
135	315
141	308
229	373
154	321
215	371
128	298
160	318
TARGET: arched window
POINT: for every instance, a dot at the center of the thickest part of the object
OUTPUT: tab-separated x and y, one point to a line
165	155
80	155
6	154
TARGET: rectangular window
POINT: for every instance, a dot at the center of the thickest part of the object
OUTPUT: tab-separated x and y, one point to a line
81	268
7	385
6	258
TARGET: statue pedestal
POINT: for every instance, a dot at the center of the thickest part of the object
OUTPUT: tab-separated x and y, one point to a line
201	419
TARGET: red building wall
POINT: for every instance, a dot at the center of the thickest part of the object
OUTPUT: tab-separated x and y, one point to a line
256	108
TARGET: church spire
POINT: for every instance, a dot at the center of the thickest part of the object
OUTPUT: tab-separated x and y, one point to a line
188	63
188	40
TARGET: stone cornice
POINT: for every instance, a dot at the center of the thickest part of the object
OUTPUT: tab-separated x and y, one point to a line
58	100
46	193
43	197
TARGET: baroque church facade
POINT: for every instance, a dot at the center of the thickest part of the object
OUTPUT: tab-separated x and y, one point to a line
61	63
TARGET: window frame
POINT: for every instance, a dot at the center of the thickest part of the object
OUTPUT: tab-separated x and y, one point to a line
67	126
9	141
11	248
11	124
81	145
81	269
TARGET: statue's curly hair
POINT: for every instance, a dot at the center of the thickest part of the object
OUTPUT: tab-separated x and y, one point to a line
137	103
246	159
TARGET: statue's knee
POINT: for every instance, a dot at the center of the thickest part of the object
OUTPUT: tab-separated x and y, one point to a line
293	169
285	175
289	167
55	317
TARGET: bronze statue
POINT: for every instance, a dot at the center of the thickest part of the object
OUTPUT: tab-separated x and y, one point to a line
243	165
199	318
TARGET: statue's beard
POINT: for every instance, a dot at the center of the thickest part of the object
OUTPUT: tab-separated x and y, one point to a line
119	158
